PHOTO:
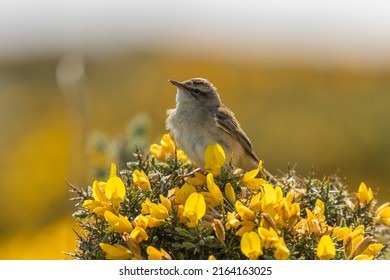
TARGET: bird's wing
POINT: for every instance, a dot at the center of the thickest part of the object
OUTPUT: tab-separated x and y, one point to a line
225	120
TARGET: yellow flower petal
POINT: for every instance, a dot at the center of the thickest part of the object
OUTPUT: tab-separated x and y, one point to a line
194	208
281	252
158	211
119	223
244	212
155	254
269	237
138	235
166	202
116	252
115	189
230	194
339	232
198	180
269	197
250	245
214	191
141	180
363	258
249	179
232	222
214	158
364	194
181	194
255	204
245	226
163	151
97	191
326	249
373	249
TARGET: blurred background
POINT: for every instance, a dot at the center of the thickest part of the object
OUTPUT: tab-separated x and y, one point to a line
80	80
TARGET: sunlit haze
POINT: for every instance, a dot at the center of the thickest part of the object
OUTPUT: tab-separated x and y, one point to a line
356	31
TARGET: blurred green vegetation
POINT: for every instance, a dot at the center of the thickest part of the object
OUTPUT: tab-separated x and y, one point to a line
329	119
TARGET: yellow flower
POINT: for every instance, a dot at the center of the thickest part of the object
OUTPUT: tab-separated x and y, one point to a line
138	234
182	194
269	196
141	180
198	180
281	252
251	245
107	196
269	237
158	211
244	212
362	246
119	223
354	242
339	232
302	227
155	254
100	204
357	247
212	258
319	210
363	258
326	249
316	220
214	197
194	208
383	213
214	158
115	189
145	207
232	221
288	212
364	194
267	221
116	252
373	249
166	202
166	149
249	179
141	221
230	194
246	226
154	222
255	204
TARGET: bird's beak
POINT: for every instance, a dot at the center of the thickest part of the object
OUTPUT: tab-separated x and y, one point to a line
178	84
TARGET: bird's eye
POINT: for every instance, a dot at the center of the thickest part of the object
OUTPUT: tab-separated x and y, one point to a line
196	91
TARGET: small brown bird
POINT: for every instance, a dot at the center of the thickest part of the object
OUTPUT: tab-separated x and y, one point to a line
200	119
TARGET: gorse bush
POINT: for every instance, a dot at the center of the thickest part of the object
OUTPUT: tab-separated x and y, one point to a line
162	207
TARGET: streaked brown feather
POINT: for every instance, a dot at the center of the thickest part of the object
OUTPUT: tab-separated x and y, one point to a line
225	119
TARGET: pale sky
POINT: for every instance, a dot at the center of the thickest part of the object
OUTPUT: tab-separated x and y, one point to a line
333	29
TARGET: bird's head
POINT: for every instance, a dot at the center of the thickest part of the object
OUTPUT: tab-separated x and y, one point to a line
197	91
